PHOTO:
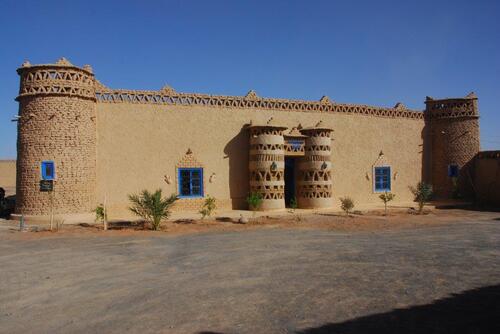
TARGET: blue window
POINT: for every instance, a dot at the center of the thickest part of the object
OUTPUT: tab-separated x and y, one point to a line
453	170
382	179
48	170
296	144
190	182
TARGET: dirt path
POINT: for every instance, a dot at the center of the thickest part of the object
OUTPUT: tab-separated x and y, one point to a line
436	275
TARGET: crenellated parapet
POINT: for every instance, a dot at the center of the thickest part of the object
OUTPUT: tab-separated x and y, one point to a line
451	107
250	101
59	79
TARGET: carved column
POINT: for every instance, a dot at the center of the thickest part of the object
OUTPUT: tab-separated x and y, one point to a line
315	169
267	165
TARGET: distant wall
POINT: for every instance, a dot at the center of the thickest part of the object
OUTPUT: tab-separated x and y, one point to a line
8	176
487	177
140	145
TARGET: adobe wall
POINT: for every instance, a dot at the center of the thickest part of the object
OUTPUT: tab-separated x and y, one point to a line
140	144
487	177
8	176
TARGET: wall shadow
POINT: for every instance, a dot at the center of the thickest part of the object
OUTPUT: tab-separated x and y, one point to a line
473	311
237	150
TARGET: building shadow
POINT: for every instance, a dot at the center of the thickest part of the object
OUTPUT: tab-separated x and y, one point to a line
468	207
237	150
474	311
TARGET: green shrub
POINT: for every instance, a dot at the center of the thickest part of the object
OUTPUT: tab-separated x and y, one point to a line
455	192
152	207
386	197
208	207
422	194
254	201
100	214
347	204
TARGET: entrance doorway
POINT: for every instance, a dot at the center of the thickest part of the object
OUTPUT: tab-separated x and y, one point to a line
289	180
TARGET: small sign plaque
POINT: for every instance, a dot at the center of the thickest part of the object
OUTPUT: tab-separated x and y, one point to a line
46	185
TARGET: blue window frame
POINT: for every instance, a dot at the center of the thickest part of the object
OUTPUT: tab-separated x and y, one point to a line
190	182
48	169
382	179
453	170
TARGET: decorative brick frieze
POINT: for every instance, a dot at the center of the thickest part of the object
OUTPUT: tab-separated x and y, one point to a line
170	97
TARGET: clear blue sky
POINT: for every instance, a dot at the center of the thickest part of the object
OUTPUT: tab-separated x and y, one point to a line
370	52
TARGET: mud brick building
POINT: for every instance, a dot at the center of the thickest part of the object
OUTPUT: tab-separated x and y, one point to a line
99	144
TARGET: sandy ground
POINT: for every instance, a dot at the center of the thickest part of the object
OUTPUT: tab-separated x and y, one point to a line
320	273
371	220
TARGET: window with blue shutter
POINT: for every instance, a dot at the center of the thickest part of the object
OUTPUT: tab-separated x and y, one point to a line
48	170
382	179
190	182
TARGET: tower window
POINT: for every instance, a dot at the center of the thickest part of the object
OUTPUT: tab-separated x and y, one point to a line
382	179
190	182
48	170
453	170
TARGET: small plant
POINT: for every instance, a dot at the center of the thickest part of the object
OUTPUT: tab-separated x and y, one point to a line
208	207
100	214
455	192
254	201
386	197
347	204
293	204
422	194
152	207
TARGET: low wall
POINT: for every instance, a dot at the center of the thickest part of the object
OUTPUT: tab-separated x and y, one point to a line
487	177
8	176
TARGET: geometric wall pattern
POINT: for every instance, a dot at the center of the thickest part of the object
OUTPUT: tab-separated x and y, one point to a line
61	79
315	174
266	164
170	97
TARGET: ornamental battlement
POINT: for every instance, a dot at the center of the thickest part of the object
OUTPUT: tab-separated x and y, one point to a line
66	79
169	96
451	107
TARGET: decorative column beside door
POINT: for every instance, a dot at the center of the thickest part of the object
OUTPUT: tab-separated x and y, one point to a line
315	169
267	164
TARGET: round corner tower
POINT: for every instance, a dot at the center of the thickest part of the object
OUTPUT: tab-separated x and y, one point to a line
454	130
57	123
